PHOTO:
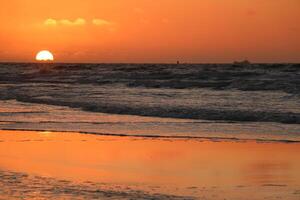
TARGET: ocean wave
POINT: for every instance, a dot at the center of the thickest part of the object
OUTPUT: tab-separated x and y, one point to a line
223	92
255	77
16	115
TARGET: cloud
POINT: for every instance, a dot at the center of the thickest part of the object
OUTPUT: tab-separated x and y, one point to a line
50	22
66	22
101	22
77	22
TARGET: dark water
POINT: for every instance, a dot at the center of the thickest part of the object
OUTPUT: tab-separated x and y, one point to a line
226	92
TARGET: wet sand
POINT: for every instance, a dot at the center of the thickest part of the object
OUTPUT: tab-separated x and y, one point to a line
53	165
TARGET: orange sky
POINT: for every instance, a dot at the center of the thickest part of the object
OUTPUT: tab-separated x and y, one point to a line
151	30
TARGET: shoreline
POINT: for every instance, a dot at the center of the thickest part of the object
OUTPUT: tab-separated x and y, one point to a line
199	138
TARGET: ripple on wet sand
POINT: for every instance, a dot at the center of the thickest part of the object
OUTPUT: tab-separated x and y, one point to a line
16	185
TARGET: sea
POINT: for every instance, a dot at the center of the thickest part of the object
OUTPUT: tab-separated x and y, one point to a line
239	101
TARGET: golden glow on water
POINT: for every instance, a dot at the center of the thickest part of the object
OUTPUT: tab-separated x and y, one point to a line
183	163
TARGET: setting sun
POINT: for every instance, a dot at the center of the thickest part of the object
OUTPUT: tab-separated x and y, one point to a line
44	56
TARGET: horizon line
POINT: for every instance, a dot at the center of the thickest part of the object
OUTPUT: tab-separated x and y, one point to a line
174	63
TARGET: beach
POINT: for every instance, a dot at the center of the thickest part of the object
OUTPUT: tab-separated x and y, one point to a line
62	165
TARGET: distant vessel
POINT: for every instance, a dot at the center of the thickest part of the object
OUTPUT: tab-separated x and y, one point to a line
243	63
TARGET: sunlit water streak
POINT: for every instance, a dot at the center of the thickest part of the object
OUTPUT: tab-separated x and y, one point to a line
79	165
